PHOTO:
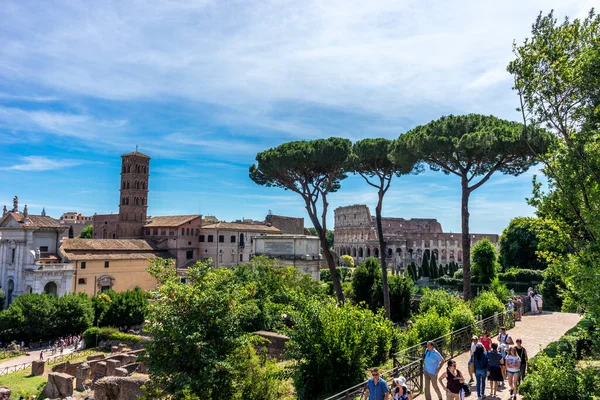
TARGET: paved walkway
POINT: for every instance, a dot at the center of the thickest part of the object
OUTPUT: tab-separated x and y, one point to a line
536	332
33	356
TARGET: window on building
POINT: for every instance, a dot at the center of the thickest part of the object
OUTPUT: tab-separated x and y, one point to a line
210	238
202	238
221	239
114	235
233	258
155	231
233	239
106	264
183	280
14	254
83	265
171	232
189	243
189	254
44	249
242	257
182	231
163	232
81	281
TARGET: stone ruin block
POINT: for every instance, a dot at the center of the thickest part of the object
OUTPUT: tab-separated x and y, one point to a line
96	357
143	368
131	368
119	388
122	347
100	369
37	368
121	372
129	359
83	374
274	344
4	393
59	385
111	365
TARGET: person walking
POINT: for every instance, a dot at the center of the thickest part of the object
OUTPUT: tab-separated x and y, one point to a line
433	362
480	362
520	308
474	341
513	370
454	381
486	341
42	355
377	388
522	353
531	295
503	353
504	338
401	391
494	368
538	300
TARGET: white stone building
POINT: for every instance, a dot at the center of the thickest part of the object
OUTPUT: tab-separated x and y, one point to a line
299	251
29	259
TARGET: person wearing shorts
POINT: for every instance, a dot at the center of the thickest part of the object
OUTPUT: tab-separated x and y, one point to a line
513	370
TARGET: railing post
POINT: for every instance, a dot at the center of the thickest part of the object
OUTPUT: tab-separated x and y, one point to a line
452	345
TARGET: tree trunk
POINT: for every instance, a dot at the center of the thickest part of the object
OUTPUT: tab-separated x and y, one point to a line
466	240
382	254
337	286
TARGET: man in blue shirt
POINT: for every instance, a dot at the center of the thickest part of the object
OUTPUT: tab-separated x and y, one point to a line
432	364
376	388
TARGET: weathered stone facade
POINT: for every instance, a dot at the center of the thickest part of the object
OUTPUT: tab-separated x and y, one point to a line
407	240
287	225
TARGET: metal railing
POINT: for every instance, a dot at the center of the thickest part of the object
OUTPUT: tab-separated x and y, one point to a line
409	362
50	361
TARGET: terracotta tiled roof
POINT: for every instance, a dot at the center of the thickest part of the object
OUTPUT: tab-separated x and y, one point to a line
70	245
171	221
233	226
34	220
135	153
113	256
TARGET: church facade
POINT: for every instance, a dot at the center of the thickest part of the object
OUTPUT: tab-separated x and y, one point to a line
407	240
29	254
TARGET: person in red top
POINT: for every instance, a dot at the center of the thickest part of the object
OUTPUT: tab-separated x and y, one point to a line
486	341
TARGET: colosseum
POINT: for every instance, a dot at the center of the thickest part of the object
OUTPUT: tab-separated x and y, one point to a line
355	234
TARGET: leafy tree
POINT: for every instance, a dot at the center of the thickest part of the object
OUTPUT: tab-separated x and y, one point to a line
2	298
29	317
433	268
425	266
557	75
74	313
348	261
364	282
401	289
461	316
441	271
487	304
87	232
485	266
473	147
120	309
519	244
328	234
333	345
370	160
196	330
313	169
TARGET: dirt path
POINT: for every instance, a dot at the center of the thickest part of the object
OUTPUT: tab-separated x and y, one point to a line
33	356
536	332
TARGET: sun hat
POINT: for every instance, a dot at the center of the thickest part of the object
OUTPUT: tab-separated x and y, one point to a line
400	381
474	337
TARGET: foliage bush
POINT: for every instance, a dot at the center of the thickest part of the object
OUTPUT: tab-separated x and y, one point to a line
347	261
486	304
484	264
559	379
458	274
451	282
529	276
460	317
439	299
344	273
553	288
365	280
333	346
107	333
120	309
431	325
500	290
401	289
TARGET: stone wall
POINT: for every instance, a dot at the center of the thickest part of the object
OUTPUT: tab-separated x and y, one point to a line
287	225
120	388
274	344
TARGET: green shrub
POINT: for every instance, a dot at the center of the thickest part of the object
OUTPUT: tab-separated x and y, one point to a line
439	299
431	325
458	274
107	333
365	281
460	317
558	379
521	275
333	345
401	289
484	264
451	282
325	275
500	290
344	273
486	304
256	377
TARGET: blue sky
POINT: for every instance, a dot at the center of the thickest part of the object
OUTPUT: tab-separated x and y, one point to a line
202	86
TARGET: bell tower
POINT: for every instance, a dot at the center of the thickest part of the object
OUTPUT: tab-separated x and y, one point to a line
133	205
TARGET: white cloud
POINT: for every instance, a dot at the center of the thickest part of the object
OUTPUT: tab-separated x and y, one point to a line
40	163
379	57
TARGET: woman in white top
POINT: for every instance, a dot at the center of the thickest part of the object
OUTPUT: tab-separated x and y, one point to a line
534	308
537	298
513	369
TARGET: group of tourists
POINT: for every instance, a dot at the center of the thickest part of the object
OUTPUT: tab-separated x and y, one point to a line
496	362
536	300
60	344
